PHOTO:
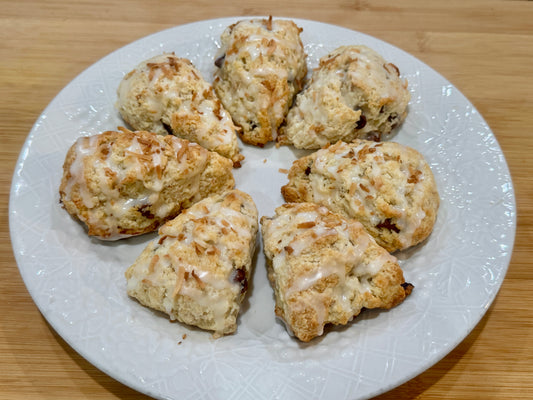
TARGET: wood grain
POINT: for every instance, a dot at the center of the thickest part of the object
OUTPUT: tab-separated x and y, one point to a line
485	48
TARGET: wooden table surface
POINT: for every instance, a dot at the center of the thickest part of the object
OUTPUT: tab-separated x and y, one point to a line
485	48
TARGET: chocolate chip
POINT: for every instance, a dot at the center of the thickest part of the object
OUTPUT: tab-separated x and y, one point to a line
145	211
394	120
361	123
240	277
167	128
408	288
220	60
308	170
388	224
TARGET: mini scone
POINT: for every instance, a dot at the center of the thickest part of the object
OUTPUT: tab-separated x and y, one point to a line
126	183
168	94
354	93
325	268
261	66
197	271
387	186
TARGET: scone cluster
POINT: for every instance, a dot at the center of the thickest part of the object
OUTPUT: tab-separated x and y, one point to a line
350	203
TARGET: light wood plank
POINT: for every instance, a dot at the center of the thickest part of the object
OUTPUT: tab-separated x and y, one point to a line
485	48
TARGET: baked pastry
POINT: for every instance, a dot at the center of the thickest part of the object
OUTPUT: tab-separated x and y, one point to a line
125	183
261	66
387	186
168	94
325	268
354	93
197	271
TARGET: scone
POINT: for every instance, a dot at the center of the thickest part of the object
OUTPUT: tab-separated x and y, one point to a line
261	66
388	187
197	271
125	183
325	268
354	93
168	94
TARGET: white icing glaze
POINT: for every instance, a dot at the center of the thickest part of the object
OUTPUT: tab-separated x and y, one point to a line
350	267
209	225
265	43
334	172
257	51
176	88
367	68
83	147
111	168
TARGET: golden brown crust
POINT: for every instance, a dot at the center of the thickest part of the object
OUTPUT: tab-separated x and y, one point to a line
354	93
197	271
325	268
125	183
261	67
388	187
168	94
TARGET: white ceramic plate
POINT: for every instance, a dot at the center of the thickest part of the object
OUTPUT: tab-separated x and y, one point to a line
78	283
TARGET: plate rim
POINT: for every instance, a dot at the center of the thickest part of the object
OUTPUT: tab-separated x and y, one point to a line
22	157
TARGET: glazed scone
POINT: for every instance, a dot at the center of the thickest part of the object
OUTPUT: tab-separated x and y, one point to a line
261	66
325	268
168	94
388	187
197	271
354	93
125	183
